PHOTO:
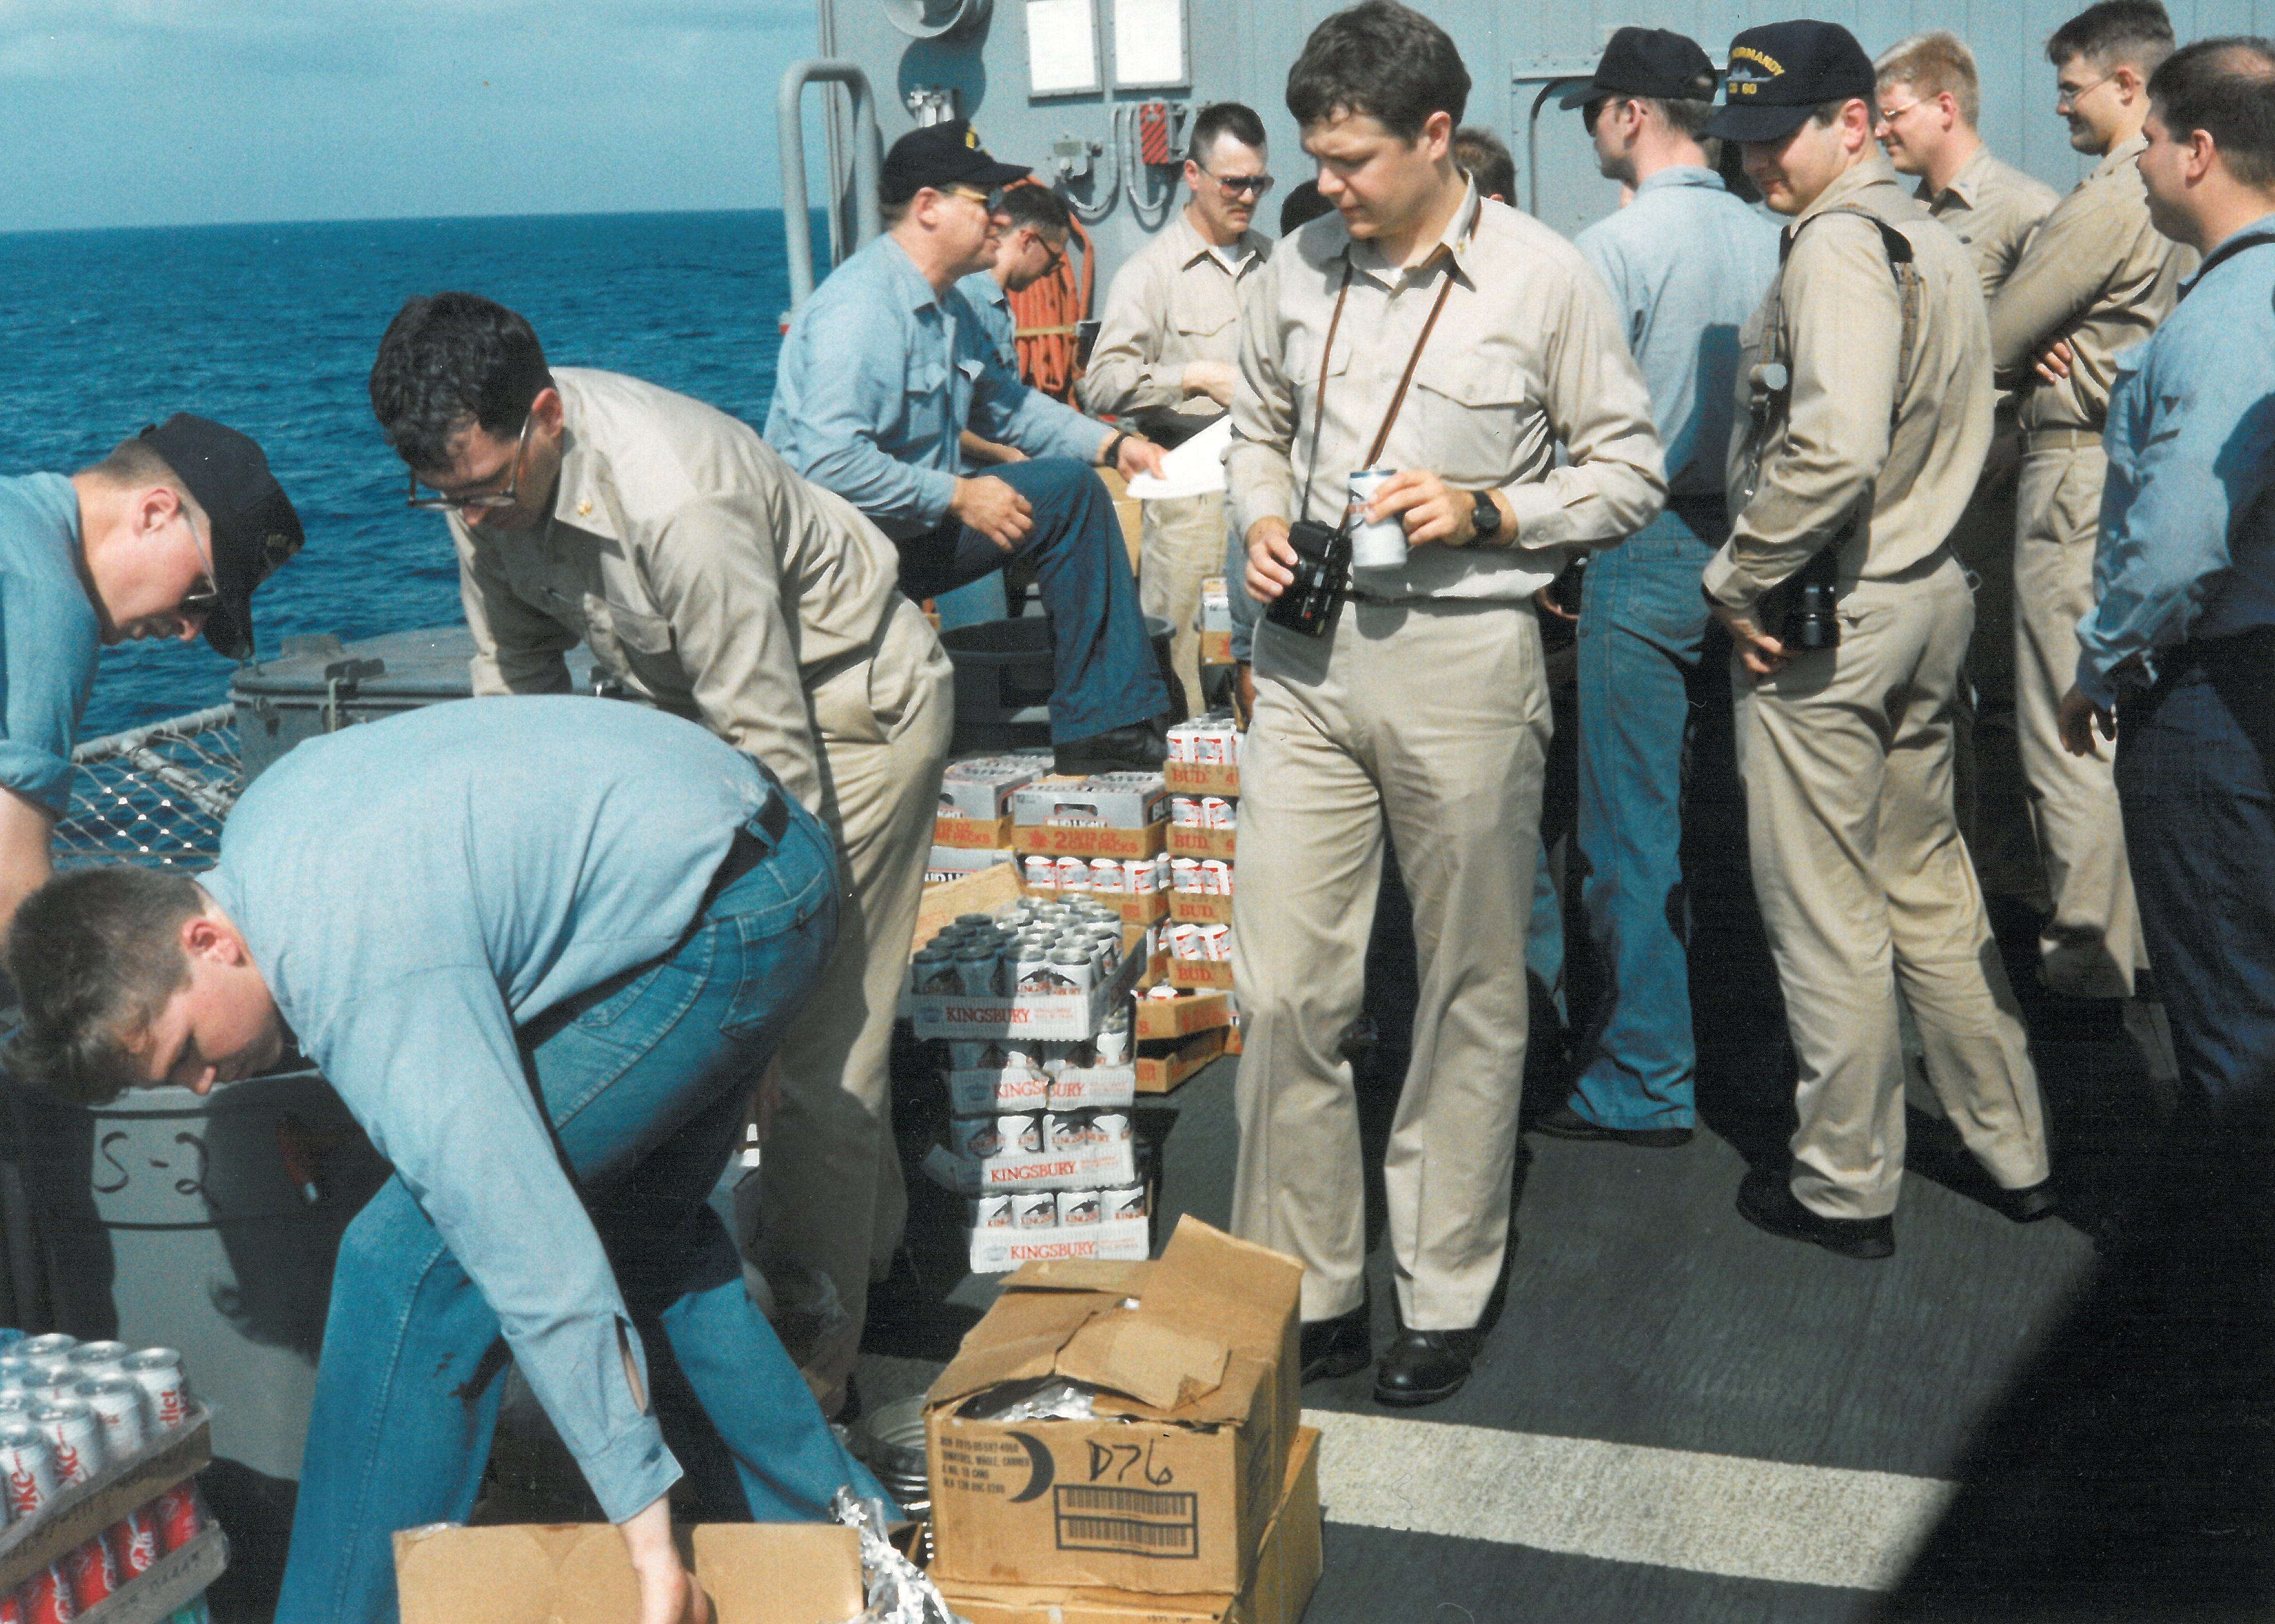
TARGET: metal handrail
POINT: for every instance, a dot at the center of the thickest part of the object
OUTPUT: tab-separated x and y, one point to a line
868	163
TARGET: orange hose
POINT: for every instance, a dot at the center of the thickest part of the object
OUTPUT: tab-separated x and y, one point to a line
1047	313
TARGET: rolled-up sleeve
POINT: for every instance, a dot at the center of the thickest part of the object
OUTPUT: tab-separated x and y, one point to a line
517	648
713	571
850	360
1258	469
1599	408
476	1155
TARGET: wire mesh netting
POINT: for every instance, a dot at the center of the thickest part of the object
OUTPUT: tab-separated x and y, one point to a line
154	795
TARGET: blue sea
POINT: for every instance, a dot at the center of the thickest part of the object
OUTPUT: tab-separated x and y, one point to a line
270	329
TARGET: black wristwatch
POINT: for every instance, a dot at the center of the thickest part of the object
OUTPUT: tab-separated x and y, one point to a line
1114	449
1487	520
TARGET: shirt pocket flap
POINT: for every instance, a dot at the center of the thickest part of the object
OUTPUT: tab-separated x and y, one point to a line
1470	377
970	366
640	632
1194	322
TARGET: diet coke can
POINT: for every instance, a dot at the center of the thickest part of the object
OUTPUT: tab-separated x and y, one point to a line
75	1438
97	1358
16	1402
92	1573
181	1514
47	1599
1382	543
15	1371
134	1542
158	1372
29	1466
122	1411
52	1371
54	1345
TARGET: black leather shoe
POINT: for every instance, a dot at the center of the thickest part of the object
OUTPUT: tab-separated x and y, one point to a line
1335	1347
1141	747
1766	1202
1424	1367
1563	1123
2028	1204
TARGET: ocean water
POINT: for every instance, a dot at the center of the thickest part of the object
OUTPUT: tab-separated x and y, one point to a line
271	328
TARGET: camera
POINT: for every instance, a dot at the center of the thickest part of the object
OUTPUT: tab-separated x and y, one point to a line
1801	612
1308	602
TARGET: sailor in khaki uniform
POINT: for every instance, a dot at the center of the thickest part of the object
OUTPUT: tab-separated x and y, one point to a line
1168	352
1868	410
1930	100
711	581
1427	330
2096	280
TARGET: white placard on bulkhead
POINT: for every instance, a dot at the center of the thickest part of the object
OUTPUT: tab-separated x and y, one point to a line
1061	46
1149	42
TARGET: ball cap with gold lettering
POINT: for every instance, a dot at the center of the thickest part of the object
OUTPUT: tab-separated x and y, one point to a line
941	155
1782	73
254	528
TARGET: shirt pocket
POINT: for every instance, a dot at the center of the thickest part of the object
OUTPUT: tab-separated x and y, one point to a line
1470	405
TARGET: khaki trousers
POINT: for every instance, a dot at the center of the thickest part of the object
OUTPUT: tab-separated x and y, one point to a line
1865	886
1434	716
2092	947
1990	794
831	1200
1181	543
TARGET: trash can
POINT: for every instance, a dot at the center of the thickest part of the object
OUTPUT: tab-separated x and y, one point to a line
1003	679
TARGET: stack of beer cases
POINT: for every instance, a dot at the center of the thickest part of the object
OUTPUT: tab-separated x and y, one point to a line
1203	774
1028	1009
1097	839
82	1424
972	828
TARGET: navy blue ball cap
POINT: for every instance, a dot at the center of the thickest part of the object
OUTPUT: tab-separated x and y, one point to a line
254	526
1656	62
1782	73
940	155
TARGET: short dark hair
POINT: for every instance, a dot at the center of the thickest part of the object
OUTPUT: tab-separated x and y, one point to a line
136	462
2226	88
1234	118
449	361
95	954
1029	204
1301	206
2136	33
1480	154
1383	60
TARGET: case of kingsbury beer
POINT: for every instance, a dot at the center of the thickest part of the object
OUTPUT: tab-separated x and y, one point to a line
1043	969
70	1413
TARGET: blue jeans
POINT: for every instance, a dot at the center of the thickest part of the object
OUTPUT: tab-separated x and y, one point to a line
1643	628
646	1080
1103	672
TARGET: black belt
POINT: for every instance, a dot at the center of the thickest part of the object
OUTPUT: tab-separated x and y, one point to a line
747	850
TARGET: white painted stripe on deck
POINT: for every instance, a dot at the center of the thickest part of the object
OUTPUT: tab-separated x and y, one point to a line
1710	1513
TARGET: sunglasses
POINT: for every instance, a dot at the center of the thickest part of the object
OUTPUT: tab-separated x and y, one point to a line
435	502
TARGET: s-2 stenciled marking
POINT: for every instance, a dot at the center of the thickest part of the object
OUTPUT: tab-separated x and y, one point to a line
193	1184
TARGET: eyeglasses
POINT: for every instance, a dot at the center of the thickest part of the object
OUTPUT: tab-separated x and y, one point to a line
1055	253
988	201
484	501
1240	185
1889	114
2067	96
1590	111
206	599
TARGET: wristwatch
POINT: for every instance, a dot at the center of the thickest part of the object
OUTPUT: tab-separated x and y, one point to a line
1487	519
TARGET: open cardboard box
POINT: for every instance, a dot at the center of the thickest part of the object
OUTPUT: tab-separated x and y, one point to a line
1162	1065
1286	1571
1167	1489
755	1572
1190	840
1179	1017
1207	973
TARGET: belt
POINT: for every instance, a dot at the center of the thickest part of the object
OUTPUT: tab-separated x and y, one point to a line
746	850
2060	439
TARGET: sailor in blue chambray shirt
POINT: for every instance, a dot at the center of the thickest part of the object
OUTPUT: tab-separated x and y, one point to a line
884	370
2188	530
541	947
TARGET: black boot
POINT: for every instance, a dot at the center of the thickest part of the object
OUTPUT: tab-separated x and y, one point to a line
1335	1347
1140	747
1424	1367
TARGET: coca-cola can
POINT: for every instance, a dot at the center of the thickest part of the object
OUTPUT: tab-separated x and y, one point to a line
53	1371
54	1345
28	1466
92	1573
134	1542
158	1372
47	1599
122	1409
74	1436
181	1514
95	1358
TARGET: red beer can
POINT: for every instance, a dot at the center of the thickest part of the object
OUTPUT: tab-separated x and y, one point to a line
47	1599
92	1573
181	1516
134	1541
158	1372
27	1466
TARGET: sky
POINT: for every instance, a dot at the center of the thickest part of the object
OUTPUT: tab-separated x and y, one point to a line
159	112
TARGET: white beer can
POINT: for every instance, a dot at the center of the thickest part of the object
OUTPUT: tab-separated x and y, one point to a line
1036	1210
1185	812
1042	873
1106	874
1077	1207
1123	1201
991	1211
1216	943
1185	874
1074	874
1381	545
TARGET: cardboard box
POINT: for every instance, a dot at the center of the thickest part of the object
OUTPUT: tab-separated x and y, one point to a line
984	833
1179	1017
1102	801
1186	840
1171	1064
980	1093
1216	647
1167	1489
1119	1240
1215	973
1286	1571
1201	778
1060	1017
980	787
1065	840
1089	1166
1200	908
996	886
755	1572
949	863
80	1512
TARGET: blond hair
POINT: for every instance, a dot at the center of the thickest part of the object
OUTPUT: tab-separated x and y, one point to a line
1932	64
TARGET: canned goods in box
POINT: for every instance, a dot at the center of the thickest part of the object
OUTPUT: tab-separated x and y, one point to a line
74	1441
1185	941
1185	812
991	1211
1078	1207
1113	1047
54	1345
181	1513
1216	877
48	1598
18	1401
1185	875
1216	943
1042	873
1074	874
92	1573
1022	1133
158	1372
1180	741
1034	970
976	972
28	1465
15	1371
933	970
134	1541
1072	969
1106	875
1035	1210
1122	1201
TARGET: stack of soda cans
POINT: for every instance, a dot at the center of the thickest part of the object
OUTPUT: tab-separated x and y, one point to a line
1202	933
70	1411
